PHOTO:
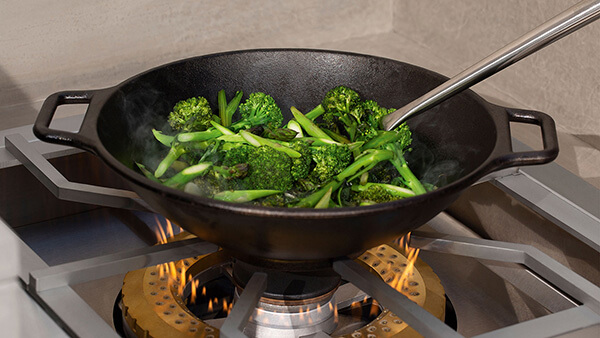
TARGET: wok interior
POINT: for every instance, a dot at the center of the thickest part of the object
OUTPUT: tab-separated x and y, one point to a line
450	141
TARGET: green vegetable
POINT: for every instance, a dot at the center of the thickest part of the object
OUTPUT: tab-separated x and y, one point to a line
226	110
334	156
188	174
259	109
343	108
381	192
240	196
258	141
329	160
193	114
309	126
269	170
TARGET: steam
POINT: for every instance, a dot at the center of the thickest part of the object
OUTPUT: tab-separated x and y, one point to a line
144	109
431	166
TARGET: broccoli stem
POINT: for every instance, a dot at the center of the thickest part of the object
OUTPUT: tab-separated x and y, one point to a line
221	128
188	174
166	140
147	172
199	135
311	200
295	126
232	106
222	103
315	112
394	190
240	196
324	201
258	141
236	138
368	159
315	141
382	139
309	126
226	110
336	137
400	163
174	153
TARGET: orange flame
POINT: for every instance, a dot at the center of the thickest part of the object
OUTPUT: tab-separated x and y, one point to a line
336	318
400	281
177	277
374	309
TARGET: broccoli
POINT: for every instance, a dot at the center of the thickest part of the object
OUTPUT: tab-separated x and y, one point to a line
226	110
379	193
343	107
258	141
269	169
361	164
410	180
371	194
259	109
330	160
308	125
188	174
193	114
301	165
240	196
235	155
281	200
373	109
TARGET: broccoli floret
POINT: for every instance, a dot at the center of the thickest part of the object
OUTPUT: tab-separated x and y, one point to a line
375	110
237	155
269	169
405	137
329	160
383	172
259	109
369	127
301	165
372	194
193	114
343	107
379	193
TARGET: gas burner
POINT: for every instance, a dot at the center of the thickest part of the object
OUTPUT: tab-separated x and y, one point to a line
155	302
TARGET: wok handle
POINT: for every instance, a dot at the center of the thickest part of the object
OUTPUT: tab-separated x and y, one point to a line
549	139
41	127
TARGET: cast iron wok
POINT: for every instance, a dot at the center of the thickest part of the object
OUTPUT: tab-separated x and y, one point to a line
455	144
